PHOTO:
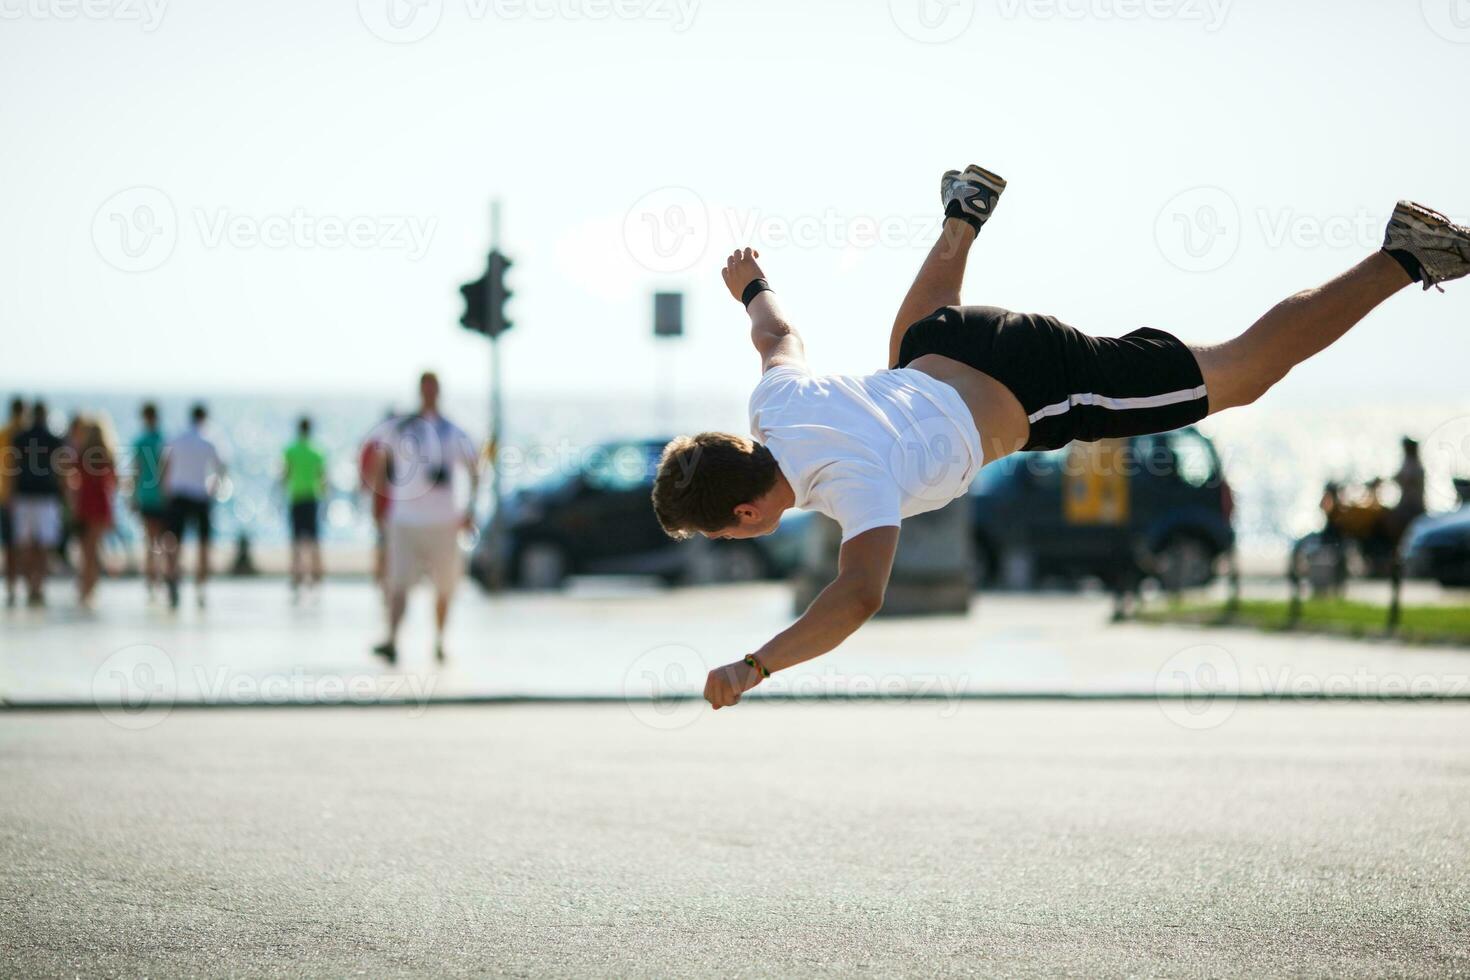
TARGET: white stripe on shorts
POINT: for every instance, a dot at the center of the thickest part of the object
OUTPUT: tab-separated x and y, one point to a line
1118	404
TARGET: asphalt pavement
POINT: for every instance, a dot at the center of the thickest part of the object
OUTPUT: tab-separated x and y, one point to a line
772	839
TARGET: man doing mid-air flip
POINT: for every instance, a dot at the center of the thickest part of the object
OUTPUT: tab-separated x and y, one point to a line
966	386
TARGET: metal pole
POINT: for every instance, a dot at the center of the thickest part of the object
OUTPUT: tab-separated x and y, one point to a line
1294	580
664	403
497	527
1396	582
1232	603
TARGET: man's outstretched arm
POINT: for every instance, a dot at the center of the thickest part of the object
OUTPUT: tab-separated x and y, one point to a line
863	567
774	337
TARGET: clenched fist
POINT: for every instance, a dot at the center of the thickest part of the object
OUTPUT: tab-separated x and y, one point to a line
725	684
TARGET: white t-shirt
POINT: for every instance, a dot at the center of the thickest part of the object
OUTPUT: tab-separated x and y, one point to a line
867	451
425	450
193	461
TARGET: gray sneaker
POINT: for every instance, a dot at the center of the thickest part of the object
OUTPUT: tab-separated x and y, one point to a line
970	195
1441	247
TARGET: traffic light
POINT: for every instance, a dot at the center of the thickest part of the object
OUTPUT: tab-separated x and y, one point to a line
485	299
474	305
498	295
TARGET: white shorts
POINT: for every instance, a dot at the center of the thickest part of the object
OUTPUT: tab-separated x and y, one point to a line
415	550
36	520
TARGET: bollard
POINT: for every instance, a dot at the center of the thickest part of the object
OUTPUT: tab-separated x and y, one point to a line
1294	581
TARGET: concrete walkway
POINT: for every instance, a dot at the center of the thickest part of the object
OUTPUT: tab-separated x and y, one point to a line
612	640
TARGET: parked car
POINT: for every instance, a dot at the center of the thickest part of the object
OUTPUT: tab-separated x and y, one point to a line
598	519
1437	546
1159	508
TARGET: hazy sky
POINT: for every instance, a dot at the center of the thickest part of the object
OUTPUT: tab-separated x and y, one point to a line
282	194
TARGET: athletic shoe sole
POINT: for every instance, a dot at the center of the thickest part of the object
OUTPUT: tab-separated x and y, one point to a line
973	191
970	175
1441	247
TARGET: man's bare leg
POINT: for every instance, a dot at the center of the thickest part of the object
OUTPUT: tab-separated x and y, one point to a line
34	560
938	282
1240	371
441	620
201	574
12	569
298	562
397	606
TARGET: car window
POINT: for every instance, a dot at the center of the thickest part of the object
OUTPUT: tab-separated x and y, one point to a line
1036	469
1193	460
993	478
620	466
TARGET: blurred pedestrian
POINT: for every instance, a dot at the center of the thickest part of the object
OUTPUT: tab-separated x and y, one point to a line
305	480
192	469
424	520
1410	480
15	423
36	501
69	528
148	498
373	455
94	481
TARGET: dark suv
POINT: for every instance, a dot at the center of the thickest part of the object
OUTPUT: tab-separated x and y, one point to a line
598	519
1437	546
1153	506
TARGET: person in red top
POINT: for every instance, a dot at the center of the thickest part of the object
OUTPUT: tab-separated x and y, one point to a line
367	469
94	482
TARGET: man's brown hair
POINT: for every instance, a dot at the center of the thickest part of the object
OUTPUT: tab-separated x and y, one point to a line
702	479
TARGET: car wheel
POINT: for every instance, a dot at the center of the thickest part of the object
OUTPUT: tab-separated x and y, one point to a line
541	565
1184	562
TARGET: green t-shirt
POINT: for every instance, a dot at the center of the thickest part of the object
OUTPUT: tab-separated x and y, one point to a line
305	468
148	471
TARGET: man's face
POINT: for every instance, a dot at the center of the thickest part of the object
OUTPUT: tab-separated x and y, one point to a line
429	391
754	522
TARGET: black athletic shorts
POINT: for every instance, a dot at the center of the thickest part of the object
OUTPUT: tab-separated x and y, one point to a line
184	511
1072	386
7	527
304	520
